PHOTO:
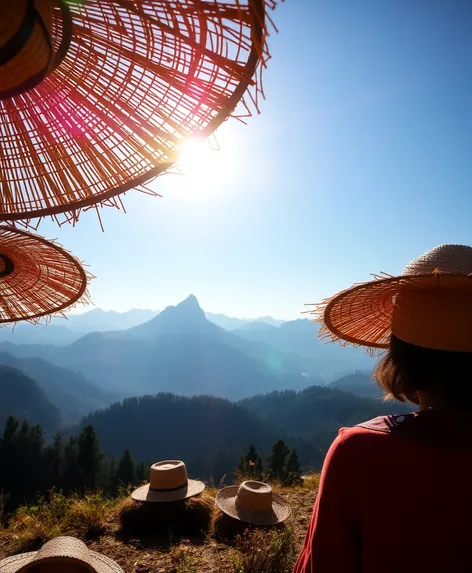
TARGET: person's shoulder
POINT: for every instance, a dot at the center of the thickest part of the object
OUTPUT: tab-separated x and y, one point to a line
378	429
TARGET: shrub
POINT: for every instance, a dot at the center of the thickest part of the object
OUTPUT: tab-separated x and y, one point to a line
88	515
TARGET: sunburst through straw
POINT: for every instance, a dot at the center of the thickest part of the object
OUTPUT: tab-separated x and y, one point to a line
135	79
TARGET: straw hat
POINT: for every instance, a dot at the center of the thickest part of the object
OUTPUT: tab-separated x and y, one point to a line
253	502
428	305
61	554
168	481
97	97
37	277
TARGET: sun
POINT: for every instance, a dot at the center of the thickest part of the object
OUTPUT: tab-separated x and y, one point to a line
202	165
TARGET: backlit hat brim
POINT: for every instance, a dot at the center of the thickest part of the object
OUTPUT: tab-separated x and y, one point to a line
362	315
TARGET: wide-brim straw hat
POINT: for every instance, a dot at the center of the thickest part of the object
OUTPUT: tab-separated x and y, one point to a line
97	96
61	553
428	305
168	482
253	502
37	277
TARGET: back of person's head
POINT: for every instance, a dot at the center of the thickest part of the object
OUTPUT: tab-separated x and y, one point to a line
407	369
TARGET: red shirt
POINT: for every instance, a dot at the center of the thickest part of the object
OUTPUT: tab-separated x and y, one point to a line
395	497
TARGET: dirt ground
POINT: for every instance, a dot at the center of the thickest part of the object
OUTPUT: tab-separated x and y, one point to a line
203	554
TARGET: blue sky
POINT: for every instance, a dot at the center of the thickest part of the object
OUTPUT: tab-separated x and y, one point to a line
360	160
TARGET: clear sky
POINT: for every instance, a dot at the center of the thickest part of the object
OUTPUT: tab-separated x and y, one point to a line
360	160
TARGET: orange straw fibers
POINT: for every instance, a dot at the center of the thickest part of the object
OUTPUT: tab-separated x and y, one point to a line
37	277
136	78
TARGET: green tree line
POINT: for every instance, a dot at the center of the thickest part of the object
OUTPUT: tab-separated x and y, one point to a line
30	467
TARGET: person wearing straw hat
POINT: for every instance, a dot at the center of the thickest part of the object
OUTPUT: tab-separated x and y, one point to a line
395	492
67	554
169	501
253	503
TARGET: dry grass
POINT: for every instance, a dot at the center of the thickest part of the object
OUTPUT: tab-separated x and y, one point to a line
95	519
182	560
188	517
225	528
31	526
311	481
90	516
265	551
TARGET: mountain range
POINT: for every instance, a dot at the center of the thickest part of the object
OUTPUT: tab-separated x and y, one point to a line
65	330
21	396
179	350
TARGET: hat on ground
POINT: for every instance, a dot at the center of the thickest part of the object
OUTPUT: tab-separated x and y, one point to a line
253	502
97	96
37	277
428	305
61	553
168	481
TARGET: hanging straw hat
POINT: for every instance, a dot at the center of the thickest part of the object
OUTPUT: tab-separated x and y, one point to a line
253	502
60	554
37	277
168	481
428	305
97	96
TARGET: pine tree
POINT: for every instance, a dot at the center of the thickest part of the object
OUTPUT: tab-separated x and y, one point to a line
90	458
8	454
125	474
250	465
142	472
293	474
277	466
71	476
54	462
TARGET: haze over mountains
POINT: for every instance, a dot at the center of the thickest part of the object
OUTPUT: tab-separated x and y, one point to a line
191	388
178	351
65	330
135	356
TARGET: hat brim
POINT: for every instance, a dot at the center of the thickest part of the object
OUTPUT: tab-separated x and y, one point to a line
226	501
45	279
99	562
168	54
146	494
362	315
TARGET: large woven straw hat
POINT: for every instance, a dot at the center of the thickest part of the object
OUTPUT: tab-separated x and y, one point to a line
253	502
97	96
66	554
428	305
37	277
168	481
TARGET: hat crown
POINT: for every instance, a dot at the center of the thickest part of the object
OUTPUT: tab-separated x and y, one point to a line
168	475
254	496
451	259
61	550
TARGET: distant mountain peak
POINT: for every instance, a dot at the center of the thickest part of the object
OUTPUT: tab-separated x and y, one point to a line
191	302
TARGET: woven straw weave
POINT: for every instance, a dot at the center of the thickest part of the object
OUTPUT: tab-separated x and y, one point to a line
429	304
63	553
39	277
138	77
